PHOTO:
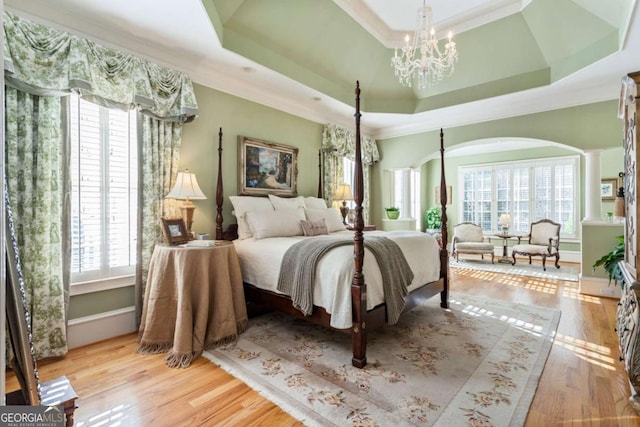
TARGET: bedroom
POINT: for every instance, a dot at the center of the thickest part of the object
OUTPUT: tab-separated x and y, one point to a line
591	124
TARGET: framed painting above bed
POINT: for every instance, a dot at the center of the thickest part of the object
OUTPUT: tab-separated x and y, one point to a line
266	168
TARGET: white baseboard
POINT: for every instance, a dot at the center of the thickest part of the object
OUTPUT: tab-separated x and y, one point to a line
98	327
599	287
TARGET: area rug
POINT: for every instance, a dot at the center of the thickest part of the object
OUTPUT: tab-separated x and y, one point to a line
568	273
476	364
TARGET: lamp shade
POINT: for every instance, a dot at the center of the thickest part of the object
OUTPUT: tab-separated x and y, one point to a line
186	187
343	192
505	219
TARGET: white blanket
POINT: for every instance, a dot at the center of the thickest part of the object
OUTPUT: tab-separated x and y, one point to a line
260	264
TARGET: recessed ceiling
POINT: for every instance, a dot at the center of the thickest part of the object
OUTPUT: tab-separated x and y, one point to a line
516	57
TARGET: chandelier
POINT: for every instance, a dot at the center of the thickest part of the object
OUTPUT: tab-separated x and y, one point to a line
423	57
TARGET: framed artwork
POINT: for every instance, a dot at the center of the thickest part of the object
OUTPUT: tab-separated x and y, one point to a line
175	232
449	195
266	168
608	188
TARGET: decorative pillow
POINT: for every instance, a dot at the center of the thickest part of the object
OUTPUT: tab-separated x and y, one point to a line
314	228
244	204
282	223
280	203
315	203
332	218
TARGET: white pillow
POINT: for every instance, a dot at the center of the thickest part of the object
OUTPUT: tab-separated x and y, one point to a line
315	203
280	203
282	223
332	218
244	204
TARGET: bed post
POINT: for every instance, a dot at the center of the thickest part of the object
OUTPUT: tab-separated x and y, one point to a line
320	174
444	255
219	191
358	285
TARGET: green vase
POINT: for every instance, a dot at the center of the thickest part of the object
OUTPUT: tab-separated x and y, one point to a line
393	214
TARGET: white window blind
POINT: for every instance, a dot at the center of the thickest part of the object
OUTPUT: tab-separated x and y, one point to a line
528	191
104	191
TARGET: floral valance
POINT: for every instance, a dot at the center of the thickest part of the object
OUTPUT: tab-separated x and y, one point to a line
341	142
44	61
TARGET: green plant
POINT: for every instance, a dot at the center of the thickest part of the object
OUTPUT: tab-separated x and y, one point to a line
611	262
392	208
433	218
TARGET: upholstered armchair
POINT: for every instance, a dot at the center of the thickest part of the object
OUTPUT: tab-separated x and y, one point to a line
544	241
468	239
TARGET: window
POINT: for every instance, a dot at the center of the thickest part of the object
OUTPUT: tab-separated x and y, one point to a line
103	191
528	191
405	185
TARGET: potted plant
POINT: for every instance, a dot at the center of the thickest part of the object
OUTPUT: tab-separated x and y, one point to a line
434	218
611	263
393	212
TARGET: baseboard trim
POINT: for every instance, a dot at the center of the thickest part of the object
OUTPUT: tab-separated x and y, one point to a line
598	286
89	329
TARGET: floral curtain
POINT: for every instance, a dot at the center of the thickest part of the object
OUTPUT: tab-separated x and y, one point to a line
159	144
37	185
44	61
42	64
337	143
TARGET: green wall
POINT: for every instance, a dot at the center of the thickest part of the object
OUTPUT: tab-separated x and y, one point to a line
236	116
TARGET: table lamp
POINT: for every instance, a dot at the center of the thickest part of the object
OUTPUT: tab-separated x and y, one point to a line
186	188
505	221
343	193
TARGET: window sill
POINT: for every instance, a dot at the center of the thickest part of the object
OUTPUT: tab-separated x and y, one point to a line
81	288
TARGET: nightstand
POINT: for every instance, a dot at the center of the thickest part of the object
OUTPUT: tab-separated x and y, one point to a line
193	301
365	228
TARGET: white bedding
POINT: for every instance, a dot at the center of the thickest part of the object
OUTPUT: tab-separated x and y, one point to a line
260	261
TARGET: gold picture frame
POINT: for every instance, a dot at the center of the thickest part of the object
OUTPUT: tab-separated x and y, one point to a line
266	168
608	188
175	231
449	195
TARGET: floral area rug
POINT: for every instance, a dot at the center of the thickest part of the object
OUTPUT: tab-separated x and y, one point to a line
520	269
476	364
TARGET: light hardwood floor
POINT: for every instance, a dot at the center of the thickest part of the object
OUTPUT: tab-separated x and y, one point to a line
583	382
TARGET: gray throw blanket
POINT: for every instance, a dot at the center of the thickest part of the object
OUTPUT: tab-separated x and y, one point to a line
298	270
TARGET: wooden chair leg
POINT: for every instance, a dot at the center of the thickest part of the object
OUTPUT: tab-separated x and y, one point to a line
544	260
529	259
557	260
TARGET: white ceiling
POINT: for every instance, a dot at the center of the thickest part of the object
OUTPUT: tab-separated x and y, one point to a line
179	34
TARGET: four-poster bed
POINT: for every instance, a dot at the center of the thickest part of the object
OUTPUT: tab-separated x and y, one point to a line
362	319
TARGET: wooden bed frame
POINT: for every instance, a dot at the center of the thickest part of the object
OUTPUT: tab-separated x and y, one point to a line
363	320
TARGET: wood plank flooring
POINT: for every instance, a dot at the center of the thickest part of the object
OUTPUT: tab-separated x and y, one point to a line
583	382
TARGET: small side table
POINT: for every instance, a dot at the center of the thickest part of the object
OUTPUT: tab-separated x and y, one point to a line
193	301
365	228
505	238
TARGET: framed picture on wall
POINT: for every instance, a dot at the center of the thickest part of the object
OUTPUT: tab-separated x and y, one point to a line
608	188
266	168
449	195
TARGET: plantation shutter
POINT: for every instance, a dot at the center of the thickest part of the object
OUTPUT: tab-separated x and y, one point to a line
104	188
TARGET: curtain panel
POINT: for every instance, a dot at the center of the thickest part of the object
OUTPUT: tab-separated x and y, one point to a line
159	146
43	61
36	173
337	143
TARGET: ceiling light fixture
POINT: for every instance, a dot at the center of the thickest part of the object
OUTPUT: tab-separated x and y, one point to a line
423	57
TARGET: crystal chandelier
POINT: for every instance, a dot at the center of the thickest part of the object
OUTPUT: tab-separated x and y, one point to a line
423	57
